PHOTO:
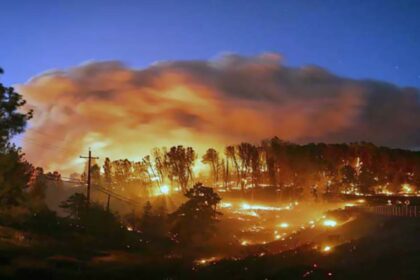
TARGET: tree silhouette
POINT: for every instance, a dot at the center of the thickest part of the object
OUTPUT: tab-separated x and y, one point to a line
211	157
12	120
96	175
179	162
107	167
38	184
230	153
15	172
152	223
15	175
159	163
146	218
75	205
194	221
245	151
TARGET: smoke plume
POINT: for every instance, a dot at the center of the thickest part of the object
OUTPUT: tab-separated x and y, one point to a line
122	112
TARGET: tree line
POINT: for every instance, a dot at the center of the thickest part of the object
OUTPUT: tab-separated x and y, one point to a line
284	166
173	166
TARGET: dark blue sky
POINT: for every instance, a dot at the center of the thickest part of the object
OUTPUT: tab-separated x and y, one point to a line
361	39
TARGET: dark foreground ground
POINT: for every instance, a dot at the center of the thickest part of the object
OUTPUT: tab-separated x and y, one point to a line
390	251
368	247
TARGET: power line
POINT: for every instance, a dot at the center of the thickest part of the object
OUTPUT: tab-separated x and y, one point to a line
116	195
103	190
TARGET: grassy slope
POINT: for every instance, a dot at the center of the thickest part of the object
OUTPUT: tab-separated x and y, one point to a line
371	248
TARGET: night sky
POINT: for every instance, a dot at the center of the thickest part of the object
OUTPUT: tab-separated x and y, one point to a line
357	39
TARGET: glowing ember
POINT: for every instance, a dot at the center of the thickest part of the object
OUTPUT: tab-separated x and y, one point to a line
246	206
205	261
253	213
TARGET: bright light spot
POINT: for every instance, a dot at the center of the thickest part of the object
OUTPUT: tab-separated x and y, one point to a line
253	213
246	206
165	189
330	223
406	188
244	243
226	205
154	179
326	248
284	225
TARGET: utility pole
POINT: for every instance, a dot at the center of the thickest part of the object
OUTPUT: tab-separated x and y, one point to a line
107	203
227	174
89	157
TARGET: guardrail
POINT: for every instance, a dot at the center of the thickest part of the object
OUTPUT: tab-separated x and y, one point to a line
391	210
